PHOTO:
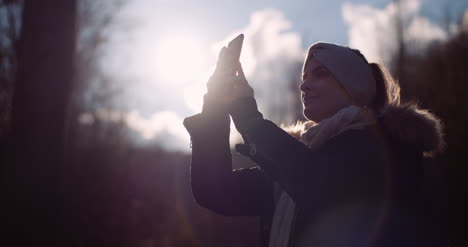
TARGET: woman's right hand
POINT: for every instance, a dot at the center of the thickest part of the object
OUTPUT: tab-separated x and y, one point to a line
221	82
228	81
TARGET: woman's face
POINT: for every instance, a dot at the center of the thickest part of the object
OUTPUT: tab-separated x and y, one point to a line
322	95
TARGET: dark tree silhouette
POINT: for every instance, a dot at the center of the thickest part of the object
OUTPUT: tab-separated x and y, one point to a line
437	80
9	34
37	174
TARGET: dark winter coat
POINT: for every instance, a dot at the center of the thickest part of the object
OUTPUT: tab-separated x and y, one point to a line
377	170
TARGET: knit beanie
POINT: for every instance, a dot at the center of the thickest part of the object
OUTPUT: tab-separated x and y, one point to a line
352	72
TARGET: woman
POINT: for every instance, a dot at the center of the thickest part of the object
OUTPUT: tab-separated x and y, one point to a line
350	176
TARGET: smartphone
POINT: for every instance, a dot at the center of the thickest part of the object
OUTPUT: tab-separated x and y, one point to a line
236	46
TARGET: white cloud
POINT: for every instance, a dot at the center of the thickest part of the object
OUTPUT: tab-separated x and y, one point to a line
164	121
464	22
374	31
193	93
423	31
86	118
164	126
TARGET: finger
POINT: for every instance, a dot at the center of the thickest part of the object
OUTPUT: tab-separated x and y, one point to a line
240	71
229	54
242	88
221	82
221	57
225	63
224	73
222	52
237	82
241	76
227	58
224	70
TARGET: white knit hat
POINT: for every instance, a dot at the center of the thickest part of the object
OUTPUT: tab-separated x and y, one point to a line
353	72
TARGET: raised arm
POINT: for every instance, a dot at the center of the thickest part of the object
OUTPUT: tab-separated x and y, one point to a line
322	176
214	184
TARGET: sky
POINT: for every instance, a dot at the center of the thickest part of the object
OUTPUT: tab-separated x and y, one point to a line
164	61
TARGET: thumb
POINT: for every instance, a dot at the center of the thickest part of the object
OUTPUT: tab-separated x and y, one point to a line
222	53
240	71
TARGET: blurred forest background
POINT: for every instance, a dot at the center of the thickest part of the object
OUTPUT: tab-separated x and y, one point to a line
72	184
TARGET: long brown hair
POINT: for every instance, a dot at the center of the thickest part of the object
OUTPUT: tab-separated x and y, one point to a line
387	89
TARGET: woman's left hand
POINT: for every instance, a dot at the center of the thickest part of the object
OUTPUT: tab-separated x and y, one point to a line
228	82
240	85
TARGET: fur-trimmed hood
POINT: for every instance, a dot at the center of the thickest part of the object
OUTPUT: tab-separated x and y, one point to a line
415	126
406	123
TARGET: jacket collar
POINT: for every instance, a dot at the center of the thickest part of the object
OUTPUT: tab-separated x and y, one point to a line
406	123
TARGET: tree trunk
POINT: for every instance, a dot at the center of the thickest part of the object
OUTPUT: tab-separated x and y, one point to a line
37	174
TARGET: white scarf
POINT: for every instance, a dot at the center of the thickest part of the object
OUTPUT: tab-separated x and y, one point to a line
313	135
348	118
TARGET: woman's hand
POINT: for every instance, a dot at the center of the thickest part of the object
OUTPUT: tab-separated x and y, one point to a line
228	81
240	85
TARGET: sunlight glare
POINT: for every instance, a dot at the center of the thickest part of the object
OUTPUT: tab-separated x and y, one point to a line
178	59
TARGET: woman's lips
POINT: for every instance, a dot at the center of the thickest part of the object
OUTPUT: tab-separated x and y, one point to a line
307	98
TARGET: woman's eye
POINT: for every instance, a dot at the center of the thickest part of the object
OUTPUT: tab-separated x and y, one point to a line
322	73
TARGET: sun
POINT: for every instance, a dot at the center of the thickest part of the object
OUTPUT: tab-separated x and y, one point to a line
178	58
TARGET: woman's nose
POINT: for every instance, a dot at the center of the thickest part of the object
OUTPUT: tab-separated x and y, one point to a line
305	86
